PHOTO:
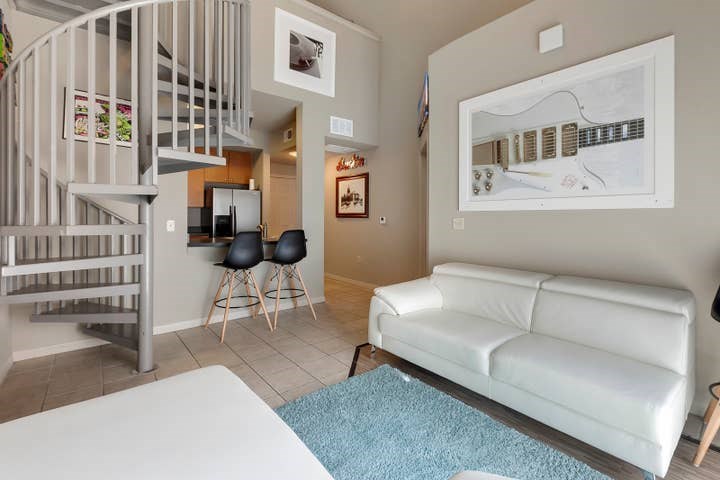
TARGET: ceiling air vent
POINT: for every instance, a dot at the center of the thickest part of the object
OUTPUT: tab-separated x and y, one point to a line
341	126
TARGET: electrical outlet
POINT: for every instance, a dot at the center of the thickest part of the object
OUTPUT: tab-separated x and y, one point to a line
383	220
170	225
458	223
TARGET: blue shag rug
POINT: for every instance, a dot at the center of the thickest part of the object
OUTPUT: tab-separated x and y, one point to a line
386	425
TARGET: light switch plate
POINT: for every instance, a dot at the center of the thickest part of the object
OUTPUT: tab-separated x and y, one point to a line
170	225
383	220
458	223
551	38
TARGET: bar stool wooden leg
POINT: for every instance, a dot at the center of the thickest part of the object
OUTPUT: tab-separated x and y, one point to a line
227	307
713	424
266	284
217	296
277	294
262	301
253	310
291	286
307	295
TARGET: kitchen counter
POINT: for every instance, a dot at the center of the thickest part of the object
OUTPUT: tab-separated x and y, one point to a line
205	240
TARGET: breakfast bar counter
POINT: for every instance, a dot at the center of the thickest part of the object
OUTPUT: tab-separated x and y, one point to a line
205	240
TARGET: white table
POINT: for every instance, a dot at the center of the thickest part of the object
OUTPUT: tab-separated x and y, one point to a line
201	425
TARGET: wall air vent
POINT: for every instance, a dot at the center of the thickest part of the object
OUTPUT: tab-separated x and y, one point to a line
341	126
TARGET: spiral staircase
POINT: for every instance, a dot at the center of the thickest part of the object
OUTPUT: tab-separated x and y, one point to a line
182	68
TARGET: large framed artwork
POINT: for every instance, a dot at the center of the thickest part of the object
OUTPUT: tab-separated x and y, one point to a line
352	196
123	126
598	135
304	54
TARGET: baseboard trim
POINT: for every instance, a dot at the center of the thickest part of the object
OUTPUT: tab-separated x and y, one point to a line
157	330
359	283
55	349
234	315
5	368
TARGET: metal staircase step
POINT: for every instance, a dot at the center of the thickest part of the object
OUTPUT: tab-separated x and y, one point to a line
50	265
125	335
165	67
88	313
165	88
172	161
231	138
123	193
55	292
71	230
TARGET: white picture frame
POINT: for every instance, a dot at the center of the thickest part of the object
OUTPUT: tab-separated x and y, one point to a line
304	54
652	67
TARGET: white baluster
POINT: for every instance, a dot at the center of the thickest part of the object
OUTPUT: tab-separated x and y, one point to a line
134	43
218	75
231	63
91	129
52	214
21	146
175	75
191	73
70	123
36	138
113	98
206	73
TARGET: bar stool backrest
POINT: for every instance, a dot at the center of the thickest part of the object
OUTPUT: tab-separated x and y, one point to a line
245	252
290	248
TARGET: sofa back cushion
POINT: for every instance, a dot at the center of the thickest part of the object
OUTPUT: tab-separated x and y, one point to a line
499	294
649	324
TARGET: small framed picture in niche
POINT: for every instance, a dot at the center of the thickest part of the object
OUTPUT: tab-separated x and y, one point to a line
352	196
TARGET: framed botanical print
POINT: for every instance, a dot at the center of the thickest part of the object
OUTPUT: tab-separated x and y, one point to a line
123	114
352	196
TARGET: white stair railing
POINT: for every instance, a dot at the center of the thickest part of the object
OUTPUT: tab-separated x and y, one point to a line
31	97
52	234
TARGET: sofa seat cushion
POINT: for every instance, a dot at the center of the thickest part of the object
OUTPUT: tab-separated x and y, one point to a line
641	399
457	337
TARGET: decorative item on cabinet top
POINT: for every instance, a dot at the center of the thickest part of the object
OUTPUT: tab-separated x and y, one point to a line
356	161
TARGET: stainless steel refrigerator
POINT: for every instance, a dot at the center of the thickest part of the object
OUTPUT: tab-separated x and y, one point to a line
235	211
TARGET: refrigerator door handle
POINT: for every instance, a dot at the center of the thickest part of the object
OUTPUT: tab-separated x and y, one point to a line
234	220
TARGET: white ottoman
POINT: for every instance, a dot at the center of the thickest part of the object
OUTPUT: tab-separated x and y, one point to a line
205	424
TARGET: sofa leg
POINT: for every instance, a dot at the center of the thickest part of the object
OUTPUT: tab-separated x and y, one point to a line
648	476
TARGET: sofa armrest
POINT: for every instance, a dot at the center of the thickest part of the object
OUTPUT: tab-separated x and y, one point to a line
398	299
411	296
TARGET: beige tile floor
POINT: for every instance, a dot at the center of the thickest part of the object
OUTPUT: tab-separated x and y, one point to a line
301	356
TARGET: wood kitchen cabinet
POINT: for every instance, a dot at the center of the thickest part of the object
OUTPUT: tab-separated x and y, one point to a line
237	170
196	188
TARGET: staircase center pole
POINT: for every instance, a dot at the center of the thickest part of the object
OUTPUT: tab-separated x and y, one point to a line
144	118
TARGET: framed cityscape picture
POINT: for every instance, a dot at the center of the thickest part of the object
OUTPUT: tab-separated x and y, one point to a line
123	114
352	196
304	54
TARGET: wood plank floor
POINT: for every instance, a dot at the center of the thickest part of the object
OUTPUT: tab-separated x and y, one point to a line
681	467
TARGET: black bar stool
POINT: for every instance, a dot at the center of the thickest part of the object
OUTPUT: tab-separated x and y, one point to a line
289	251
246	252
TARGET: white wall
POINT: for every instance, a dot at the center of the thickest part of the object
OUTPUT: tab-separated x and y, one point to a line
677	247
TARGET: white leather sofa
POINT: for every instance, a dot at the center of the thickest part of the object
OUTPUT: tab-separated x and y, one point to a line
609	363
